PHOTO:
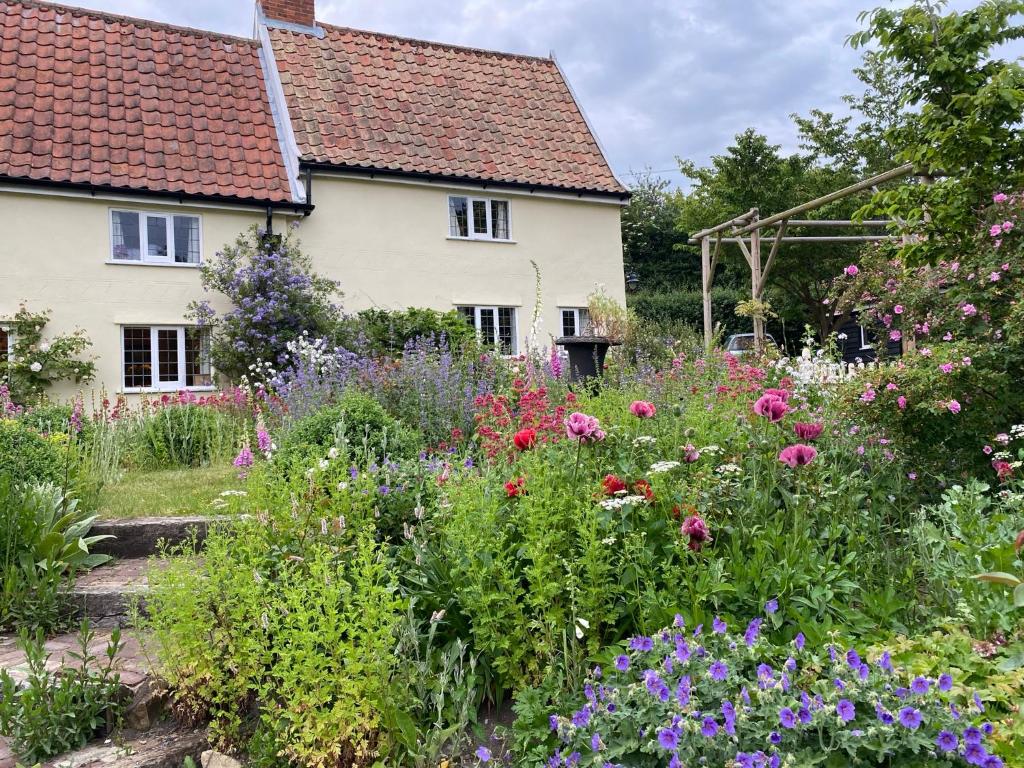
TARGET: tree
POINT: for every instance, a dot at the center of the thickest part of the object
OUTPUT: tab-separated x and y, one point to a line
276	297
963	116
652	245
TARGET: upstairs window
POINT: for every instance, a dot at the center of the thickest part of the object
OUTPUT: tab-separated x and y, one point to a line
478	218
165	358
574	321
495	326
147	237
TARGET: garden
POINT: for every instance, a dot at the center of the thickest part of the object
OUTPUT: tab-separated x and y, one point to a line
424	552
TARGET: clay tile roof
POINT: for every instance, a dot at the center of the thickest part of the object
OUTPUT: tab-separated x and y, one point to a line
372	101
97	99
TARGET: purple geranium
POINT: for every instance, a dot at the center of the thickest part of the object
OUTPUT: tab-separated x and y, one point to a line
846	710
910	718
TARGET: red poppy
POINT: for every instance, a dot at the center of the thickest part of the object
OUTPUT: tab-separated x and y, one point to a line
643	488
612	485
516	487
525	439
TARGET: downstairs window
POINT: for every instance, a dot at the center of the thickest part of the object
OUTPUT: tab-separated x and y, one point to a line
165	358
495	326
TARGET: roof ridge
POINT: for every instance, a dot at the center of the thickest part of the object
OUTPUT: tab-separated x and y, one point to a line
134	20
434	43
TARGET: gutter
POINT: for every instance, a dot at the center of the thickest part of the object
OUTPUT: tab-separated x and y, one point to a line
96	190
444	179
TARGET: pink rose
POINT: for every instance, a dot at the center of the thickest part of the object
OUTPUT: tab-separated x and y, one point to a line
851	271
953	406
798	455
898	309
995	230
642	409
999	197
901	401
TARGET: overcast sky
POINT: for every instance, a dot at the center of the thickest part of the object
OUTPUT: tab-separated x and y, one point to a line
657	78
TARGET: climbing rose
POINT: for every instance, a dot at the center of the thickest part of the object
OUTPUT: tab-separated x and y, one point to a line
798	455
851	271
525	439
772	407
808	432
642	409
954	406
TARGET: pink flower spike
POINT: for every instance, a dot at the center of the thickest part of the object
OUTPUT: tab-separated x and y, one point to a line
798	455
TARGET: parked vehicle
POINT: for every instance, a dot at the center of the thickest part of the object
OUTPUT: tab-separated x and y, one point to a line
740	344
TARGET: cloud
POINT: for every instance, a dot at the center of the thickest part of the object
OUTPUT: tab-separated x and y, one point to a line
657	78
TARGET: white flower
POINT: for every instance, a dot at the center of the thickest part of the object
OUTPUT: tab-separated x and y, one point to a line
44	347
324	463
842	337
609	541
36	367
231	492
663	466
342	486
620	502
645	440
710	450
728	469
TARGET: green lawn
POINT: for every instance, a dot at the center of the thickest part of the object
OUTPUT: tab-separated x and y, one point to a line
168	492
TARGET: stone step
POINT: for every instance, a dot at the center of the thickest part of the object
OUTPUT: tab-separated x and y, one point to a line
105	595
141	537
165	746
145	695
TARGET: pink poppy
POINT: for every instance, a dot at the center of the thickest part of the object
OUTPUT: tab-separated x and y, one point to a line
782	394
798	455
771	407
642	409
808	432
580	426
695	527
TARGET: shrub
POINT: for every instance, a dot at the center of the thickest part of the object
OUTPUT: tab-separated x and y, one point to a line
384	332
188	435
32	458
51	418
726	698
275	298
52	714
357	426
35	365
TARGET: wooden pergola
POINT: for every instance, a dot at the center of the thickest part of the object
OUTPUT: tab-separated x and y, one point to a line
748	230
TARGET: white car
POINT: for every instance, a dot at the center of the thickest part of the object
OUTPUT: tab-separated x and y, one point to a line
740	344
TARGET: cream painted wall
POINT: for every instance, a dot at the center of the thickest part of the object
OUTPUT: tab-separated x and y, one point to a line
52	256
385	242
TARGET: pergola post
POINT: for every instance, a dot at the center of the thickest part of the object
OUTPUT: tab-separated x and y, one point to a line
755	284
705	286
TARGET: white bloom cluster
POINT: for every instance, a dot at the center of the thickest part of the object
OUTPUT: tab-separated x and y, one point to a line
711	450
1017	432
622	501
728	469
644	440
663	466
231	492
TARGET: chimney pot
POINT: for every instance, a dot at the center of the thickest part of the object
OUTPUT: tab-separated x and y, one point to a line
300	12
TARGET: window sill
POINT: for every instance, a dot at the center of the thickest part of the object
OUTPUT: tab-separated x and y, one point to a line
152	391
130	263
481	240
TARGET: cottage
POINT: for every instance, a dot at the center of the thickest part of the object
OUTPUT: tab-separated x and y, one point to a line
422	174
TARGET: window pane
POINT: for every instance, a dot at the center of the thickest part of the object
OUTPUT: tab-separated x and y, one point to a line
125	243
167	354
506	326
156	236
479	217
458	217
469	313
583	326
197	358
138	361
5	345
186	239
568	322
499	219
487	327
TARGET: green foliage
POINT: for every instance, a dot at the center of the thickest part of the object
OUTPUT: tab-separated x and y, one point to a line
52	714
33	458
964	116
50	418
187	435
357	426
384	332
35	364
686	307
652	246
43	544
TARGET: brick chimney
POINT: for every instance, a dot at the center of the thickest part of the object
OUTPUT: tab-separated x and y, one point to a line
292	11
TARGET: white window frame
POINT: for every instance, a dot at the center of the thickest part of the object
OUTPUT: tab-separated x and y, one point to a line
470	199
154	346
10	341
144	257
478	311
577	319
864	343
